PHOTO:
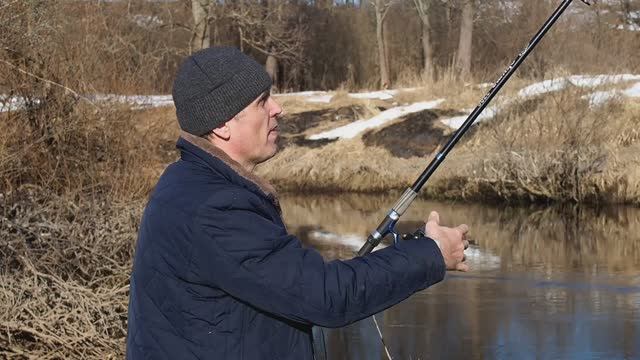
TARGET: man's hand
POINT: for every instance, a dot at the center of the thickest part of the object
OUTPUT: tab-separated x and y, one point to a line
452	241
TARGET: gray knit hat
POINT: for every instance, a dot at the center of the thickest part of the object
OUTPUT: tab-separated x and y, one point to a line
215	84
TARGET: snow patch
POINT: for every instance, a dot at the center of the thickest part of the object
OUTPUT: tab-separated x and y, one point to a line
325	97
629	27
310	96
147	21
633	91
301	94
12	103
602	97
599	80
552	85
320	99
543	87
457	121
352	130
138	101
558	84
380	95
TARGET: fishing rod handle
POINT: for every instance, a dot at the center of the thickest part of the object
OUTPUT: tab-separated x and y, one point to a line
374	239
368	246
388	224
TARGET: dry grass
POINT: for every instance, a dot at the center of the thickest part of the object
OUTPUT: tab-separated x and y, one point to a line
561	150
553	148
92	151
64	276
346	165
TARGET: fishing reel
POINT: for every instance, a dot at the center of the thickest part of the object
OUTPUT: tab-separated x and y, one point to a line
419	233
407	236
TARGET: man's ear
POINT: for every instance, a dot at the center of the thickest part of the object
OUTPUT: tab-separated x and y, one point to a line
222	132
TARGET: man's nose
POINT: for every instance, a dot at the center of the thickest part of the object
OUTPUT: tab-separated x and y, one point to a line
276	109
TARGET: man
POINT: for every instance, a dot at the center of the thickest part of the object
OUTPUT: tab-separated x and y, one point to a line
216	275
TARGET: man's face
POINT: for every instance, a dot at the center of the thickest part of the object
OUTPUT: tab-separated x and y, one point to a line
254	130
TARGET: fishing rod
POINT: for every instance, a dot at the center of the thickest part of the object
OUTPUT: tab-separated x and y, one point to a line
387	226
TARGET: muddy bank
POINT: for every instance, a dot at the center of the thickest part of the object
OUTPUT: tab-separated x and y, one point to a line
542	150
294	128
418	134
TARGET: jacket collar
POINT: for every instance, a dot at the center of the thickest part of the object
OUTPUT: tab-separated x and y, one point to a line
255	181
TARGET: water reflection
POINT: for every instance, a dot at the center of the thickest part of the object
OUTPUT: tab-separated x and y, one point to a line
547	283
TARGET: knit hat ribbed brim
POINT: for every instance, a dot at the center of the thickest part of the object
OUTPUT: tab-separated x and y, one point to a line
215	84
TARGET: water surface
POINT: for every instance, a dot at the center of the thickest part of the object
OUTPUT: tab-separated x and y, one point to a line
546	283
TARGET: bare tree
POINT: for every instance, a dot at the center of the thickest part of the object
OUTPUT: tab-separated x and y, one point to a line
463	58
381	8
271	65
201	36
423	7
272	28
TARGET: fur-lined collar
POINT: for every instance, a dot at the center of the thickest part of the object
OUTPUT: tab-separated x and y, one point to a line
208	147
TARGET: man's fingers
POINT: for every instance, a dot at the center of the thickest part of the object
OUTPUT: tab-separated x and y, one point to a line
466	244
463	228
434	216
462	267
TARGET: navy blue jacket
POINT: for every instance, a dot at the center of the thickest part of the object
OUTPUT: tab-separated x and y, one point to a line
217	276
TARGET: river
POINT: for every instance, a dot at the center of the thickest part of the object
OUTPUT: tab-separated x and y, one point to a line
558	282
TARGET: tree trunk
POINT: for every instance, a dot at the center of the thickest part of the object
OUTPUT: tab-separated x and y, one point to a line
201	36
271	66
427	50
463	60
423	7
382	54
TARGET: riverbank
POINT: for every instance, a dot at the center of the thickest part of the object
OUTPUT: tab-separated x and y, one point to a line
553	147
570	139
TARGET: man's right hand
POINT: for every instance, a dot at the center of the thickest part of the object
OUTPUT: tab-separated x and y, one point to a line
452	241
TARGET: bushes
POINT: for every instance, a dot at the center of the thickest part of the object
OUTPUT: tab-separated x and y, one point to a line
54	57
64	276
561	150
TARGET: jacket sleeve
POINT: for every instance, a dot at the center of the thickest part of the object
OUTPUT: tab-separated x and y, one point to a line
254	259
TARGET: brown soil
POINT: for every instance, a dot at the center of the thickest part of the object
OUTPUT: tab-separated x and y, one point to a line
294	128
326	118
418	134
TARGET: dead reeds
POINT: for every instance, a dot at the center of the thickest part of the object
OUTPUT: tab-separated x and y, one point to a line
64	276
